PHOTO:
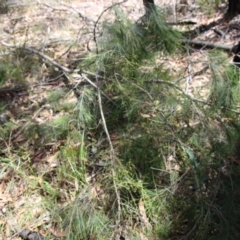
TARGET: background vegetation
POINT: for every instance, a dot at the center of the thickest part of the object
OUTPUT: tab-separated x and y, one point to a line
115	145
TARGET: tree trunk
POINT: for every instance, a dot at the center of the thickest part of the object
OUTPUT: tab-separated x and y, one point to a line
148	4
233	7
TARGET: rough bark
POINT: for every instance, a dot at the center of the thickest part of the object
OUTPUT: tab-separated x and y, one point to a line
148	4
233	7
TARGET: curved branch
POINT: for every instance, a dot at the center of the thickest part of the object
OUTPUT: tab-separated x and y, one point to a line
187	95
96	23
49	59
83	74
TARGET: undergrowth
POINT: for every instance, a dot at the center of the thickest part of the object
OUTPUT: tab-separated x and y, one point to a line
175	170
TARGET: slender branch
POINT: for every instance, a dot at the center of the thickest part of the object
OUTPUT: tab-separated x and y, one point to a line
95	86
104	121
100	16
68	8
188	96
178	88
59	66
44	56
207	44
118	197
192	74
149	95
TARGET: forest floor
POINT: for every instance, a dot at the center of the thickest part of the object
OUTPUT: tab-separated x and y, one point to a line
63	30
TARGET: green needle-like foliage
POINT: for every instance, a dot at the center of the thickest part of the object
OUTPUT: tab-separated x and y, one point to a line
223	81
176	150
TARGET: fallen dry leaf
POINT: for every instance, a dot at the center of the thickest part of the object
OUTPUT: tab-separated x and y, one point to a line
57	232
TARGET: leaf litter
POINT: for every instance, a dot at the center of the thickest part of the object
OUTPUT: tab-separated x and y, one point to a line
45	24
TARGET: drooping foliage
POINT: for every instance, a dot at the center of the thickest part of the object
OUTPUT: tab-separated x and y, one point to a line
175	173
178	151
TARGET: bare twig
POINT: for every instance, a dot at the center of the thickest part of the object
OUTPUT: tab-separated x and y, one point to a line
179	89
118	204
149	95
103	120
118	197
66	70
207	44
190	73
96	23
67	8
44	56
72	44
188	96
95	86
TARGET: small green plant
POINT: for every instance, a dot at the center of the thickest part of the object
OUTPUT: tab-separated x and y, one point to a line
83	220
